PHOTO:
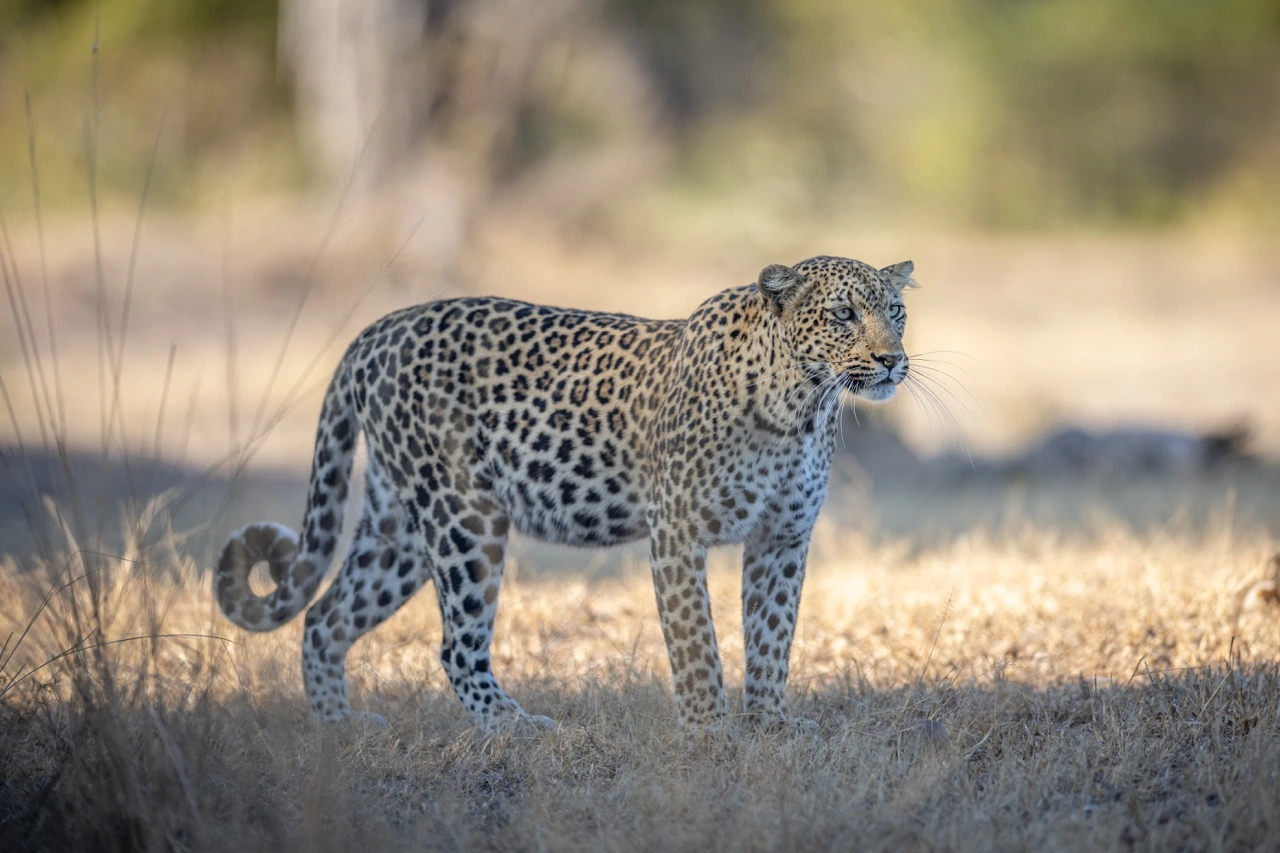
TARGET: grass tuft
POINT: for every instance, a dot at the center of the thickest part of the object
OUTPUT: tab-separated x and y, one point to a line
1067	708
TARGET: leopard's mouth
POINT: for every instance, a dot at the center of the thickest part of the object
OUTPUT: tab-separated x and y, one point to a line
864	388
876	391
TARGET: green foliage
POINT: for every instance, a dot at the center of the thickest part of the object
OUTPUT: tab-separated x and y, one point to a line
1133	108
112	76
1009	113
1030	113
180	19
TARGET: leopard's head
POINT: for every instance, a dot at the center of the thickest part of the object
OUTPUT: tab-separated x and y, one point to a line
842	321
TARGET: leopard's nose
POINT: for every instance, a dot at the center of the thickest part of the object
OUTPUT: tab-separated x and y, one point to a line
889	359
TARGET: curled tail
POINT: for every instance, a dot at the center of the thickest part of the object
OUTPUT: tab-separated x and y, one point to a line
297	567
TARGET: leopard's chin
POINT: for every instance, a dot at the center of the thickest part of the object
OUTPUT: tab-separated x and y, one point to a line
878	392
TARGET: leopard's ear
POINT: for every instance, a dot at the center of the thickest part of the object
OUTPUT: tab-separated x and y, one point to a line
899	275
779	284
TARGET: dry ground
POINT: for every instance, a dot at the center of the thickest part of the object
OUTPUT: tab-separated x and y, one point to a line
1025	693
1002	665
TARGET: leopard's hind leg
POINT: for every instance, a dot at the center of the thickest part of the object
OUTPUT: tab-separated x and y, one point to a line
382	570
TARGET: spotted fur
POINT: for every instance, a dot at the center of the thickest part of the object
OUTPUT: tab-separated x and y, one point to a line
481	415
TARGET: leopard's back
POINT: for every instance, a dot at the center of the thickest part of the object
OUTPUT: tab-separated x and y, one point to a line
545	411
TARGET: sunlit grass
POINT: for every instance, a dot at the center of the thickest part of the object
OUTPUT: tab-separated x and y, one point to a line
1017	686
1083	696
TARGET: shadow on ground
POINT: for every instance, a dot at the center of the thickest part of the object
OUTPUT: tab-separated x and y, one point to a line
991	768
1079	483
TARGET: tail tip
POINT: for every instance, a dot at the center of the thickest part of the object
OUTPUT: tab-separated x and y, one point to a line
274	544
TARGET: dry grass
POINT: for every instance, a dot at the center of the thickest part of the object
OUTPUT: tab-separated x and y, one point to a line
1064	685
1015	689
1087	696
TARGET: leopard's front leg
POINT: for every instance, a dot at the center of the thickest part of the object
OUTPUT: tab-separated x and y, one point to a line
680	583
772	575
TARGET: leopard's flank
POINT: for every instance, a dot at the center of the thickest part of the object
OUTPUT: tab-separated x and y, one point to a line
484	415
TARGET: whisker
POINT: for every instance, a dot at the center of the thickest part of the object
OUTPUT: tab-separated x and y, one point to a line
840	425
938	413
946	418
805	369
974	359
909	385
939	366
824	402
822	387
926	403
845	393
944	379
940	386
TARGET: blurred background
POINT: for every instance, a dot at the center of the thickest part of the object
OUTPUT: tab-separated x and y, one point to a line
1040	114
202	201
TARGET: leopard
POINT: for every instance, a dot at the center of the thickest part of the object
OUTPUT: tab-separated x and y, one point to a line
481	416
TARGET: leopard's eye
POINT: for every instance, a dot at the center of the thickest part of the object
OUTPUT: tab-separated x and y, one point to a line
844	313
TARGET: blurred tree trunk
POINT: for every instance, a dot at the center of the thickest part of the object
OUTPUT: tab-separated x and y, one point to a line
378	81
357	68
415	104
